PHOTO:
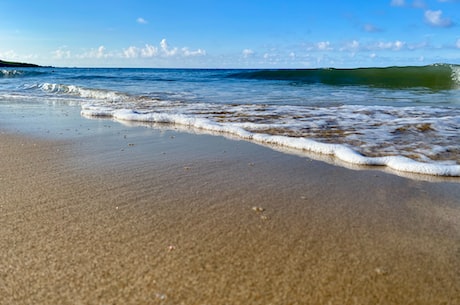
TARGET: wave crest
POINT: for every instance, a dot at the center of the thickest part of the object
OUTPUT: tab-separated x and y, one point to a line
435	77
88	93
10	73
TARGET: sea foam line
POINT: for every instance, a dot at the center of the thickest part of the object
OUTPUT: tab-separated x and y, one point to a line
10	73
339	151
98	94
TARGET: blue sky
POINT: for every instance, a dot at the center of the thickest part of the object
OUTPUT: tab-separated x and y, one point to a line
230	33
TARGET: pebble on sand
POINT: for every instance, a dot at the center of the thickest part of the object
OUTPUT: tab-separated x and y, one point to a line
258	209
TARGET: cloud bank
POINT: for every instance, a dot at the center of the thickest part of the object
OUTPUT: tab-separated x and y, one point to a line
163	50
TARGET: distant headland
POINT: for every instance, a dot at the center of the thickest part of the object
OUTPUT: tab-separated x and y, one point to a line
10	64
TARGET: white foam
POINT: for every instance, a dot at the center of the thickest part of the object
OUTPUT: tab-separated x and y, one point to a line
378	130
456	75
97	94
340	151
96	111
10	73
403	130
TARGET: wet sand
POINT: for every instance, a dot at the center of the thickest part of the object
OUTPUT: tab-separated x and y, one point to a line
151	216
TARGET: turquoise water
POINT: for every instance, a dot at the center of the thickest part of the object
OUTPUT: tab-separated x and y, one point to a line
405	118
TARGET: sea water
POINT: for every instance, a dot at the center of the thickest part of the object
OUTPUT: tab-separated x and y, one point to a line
403	118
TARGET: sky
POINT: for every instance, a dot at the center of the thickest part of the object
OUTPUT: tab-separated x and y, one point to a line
230	33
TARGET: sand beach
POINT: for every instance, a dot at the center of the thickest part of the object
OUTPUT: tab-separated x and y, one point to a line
94	212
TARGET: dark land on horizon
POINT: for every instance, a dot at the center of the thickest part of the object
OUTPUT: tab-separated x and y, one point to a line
10	64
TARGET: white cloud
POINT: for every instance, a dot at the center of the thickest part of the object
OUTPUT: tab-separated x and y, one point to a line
9	55
355	46
391	45
398	3
62	53
417	46
166	50
352	46
415	3
383	45
163	50
247	53
141	20
458	43
98	53
398	45
149	51
419	4
131	52
186	52
370	28
323	45
14	56
434	18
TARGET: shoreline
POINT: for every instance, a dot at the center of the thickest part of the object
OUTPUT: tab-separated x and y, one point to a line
94	212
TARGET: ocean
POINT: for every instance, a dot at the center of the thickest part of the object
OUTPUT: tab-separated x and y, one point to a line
406	119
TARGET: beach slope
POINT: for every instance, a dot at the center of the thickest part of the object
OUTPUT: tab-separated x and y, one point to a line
142	216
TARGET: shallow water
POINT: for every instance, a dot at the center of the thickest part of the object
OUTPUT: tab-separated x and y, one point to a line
405	118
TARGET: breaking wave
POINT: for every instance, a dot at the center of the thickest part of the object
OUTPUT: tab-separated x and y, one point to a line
421	140
88	93
10	73
435	77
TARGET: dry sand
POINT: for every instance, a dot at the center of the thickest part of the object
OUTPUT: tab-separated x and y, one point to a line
144	216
